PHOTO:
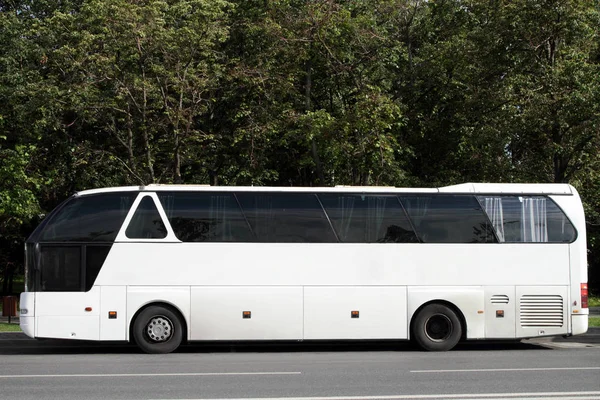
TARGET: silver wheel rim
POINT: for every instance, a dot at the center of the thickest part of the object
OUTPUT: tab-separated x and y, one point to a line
159	329
438	327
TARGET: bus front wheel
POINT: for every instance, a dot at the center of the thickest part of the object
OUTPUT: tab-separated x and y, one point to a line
158	329
436	327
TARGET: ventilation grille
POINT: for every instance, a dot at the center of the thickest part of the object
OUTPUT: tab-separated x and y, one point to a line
499	299
543	311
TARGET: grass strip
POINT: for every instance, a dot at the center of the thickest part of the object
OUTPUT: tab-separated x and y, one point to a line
12	327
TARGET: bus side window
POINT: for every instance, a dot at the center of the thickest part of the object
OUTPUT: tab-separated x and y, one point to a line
95	218
286	217
432	232
61	268
205	217
146	222
360	218
519	219
560	229
449	219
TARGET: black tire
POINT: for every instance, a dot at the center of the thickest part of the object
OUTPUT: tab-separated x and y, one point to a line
158	330
436	328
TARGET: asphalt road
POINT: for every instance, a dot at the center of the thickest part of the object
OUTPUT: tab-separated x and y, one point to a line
544	368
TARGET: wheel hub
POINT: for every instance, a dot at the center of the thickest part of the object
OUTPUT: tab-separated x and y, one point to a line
438	327
159	329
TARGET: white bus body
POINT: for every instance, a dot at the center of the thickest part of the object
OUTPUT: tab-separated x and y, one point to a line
434	292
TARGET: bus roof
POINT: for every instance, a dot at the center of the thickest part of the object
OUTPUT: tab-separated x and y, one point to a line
475	188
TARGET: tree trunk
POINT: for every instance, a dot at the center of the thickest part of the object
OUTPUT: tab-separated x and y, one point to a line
176	159
314	147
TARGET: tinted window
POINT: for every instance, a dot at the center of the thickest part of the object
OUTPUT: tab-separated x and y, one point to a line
146	222
206	217
560	229
31	268
96	218
286	217
60	268
527	219
94	259
448	219
368	218
39	231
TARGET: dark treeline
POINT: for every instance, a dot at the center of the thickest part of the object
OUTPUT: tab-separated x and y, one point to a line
372	92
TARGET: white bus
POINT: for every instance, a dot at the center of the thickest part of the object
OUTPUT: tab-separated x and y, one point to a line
161	265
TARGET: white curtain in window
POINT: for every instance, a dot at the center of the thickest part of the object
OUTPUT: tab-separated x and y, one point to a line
494	210
534	227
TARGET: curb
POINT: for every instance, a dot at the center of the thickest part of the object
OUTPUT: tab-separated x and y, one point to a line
14	336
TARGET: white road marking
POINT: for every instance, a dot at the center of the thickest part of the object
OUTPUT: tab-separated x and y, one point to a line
150	375
505	369
470	396
563	345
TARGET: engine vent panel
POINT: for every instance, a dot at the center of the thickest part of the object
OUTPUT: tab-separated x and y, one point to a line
499	299
541	311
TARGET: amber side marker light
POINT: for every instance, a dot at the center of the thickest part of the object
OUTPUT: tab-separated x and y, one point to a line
112	315
584	295
246	314
354	314
88	309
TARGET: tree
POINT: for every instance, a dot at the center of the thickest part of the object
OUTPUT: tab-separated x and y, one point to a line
555	95
377	92
308	87
137	78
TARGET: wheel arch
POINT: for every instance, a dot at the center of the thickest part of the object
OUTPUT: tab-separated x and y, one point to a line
452	306
160	303
467	302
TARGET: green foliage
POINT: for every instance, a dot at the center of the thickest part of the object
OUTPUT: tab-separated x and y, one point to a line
19	205
396	92
18	201
594	301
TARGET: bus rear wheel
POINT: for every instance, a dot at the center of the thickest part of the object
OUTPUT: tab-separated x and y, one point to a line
158	330
436	327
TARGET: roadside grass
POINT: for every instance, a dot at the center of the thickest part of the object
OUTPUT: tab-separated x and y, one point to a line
12	327
5	326
594	322
593	301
